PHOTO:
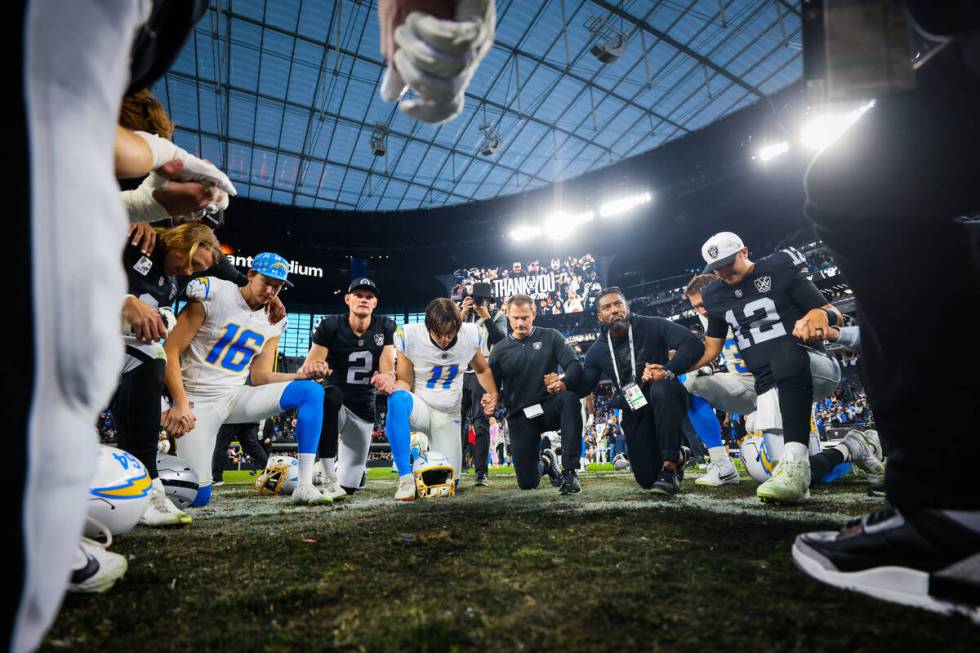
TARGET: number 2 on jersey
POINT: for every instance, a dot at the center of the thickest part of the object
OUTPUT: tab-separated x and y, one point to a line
360	374
437	374
239	345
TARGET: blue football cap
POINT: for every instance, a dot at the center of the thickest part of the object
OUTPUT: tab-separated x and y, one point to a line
273	266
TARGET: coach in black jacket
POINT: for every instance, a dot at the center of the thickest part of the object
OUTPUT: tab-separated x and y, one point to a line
520	364
653	429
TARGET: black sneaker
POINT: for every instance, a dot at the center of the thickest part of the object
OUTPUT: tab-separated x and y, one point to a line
922	558
482	480
569	482
667	482
685	459
550	461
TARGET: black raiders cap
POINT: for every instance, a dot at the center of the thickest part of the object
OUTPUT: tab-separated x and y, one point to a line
363	283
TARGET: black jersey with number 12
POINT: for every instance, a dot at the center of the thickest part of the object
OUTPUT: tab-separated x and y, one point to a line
762	308
354	358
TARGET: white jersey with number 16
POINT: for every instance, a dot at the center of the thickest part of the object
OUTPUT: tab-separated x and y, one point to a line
231	336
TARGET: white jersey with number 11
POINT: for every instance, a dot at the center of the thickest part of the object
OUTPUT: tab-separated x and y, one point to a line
438	372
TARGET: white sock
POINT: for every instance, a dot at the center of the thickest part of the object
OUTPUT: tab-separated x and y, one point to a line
329	467
796	451
718	455
306	463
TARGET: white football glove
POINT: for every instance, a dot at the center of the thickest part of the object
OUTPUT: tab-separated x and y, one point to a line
195	169
437	58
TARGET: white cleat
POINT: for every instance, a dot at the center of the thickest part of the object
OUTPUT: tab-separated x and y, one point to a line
96	569
331	488
309	495
718	474
406	488
161	511
865	451
790	482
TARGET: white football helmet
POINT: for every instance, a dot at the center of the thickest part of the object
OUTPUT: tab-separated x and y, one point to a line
757	457
179	480
434	476
118	493
621	462
280	476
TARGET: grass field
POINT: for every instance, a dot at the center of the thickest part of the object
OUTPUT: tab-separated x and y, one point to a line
614	568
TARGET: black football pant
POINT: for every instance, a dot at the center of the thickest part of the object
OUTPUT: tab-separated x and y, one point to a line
333	401
136	409
563	412
653	433
472	414
247	435
886	200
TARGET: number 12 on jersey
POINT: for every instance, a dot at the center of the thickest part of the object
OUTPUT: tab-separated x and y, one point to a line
437	376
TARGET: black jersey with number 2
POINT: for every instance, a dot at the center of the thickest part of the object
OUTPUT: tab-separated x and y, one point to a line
762	308
354	358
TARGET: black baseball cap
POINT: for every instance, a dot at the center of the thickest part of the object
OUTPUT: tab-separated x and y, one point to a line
363	283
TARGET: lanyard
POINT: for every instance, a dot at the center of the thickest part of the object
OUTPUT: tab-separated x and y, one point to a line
612	354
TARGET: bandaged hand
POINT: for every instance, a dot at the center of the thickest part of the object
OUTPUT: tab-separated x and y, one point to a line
195	169
434	57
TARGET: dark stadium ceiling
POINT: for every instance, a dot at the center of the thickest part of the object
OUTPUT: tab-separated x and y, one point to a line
282	94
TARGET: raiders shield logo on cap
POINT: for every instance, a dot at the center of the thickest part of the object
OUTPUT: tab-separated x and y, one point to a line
713	252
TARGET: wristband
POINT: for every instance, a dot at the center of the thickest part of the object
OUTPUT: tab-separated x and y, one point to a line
831	316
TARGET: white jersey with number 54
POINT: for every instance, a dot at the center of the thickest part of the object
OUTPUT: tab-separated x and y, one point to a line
231	336
438	373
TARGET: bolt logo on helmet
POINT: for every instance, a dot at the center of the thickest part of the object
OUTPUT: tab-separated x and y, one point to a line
434	476
119	491
756	457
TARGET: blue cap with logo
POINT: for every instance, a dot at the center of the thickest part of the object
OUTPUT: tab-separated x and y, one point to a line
273	266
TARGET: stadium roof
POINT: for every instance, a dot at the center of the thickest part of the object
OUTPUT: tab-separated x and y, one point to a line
283	95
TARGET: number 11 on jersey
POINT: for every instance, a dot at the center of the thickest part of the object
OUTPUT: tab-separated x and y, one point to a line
437	374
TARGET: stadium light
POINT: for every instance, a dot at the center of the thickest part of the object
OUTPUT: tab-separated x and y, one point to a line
824	130
616	207
560	225
771	151
525	232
